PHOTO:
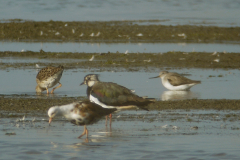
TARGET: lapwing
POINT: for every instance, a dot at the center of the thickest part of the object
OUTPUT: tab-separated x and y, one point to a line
49	77
175	81
80	113
112	95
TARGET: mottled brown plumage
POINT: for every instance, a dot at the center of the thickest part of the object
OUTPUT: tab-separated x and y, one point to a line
90	112
49	77
80	113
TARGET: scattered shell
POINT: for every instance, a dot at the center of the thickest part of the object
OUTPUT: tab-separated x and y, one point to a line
37	66
139	34
91	59
214	53
164	126
194	127
81	35
147	60
175	127
98	34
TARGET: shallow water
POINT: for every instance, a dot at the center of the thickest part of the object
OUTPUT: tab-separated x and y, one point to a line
168	134
119	47
174	12
216	84
134	135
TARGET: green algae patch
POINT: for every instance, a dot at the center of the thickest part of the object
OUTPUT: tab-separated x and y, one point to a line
114	32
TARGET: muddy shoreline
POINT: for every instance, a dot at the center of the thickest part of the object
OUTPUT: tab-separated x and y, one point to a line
16	107
114	32
121	62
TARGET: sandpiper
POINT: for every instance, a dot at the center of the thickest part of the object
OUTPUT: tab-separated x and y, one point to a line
176	82
80	113
112	95
49	77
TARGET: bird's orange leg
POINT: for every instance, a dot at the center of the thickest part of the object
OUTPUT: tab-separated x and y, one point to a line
106	120
110	121
85	131
47	90
60	85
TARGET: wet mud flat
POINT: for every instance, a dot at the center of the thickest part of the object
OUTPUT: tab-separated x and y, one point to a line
114	31
128	62
157	134
19	106
182	129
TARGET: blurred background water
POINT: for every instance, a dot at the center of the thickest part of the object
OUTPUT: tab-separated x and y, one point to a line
171	12
118	47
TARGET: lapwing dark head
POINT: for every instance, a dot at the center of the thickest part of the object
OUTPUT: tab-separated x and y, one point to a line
90	79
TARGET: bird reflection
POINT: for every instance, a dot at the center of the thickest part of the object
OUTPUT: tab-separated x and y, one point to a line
179	95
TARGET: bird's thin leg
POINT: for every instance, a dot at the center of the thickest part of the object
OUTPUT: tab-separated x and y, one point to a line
47	90
85	131
106	120
110	120
60	85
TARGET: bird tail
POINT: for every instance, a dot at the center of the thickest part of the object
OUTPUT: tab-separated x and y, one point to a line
144	108
126	107
198	82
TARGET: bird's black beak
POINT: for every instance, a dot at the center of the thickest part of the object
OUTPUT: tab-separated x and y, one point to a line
154	77
81	84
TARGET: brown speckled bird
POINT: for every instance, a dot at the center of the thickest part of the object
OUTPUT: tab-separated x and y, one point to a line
49	77
80	113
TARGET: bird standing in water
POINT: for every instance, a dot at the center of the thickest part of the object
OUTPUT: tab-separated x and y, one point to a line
49	77
112	95
80	113
176	82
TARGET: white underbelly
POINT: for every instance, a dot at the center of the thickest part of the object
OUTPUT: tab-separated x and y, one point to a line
177	88
50	82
